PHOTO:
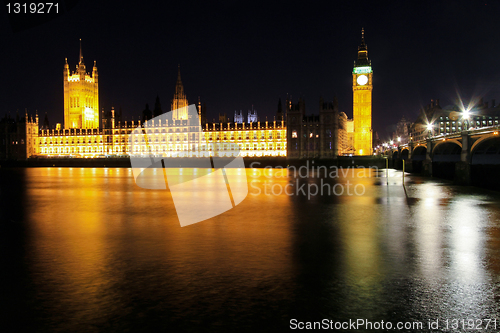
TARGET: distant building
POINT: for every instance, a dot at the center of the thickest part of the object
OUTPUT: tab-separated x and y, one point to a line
403	130
420	127
18	137
279	112
252	116
434	120
312	136
239	117
223	119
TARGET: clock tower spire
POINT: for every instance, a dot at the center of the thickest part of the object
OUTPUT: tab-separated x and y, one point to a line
362	75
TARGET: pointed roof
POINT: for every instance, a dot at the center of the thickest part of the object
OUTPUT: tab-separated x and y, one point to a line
179	88
362	52
363	44
81	54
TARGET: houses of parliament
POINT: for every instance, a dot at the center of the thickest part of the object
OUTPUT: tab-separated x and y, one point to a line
292	133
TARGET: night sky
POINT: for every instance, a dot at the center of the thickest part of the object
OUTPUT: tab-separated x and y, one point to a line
238	54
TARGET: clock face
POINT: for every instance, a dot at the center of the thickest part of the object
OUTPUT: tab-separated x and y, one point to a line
362	80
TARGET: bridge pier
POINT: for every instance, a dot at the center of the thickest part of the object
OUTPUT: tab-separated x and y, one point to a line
409	166
409	162
462	173
427	163
463	168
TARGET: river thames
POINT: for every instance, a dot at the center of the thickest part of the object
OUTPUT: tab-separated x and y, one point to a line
87	250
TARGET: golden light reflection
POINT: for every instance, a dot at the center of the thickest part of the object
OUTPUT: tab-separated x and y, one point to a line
467	240
429	232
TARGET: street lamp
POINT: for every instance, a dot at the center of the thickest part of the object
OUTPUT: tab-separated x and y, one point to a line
465	117
429	128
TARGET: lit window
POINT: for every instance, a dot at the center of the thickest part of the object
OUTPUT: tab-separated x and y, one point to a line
294	134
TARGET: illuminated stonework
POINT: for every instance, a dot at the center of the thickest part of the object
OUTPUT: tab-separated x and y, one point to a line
169	138
81	96
362	101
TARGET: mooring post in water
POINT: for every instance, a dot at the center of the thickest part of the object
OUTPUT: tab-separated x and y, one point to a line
403	171
387	169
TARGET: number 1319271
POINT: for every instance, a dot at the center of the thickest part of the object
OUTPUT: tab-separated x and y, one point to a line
32	8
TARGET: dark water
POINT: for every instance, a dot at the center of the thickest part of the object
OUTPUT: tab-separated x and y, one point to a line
86	250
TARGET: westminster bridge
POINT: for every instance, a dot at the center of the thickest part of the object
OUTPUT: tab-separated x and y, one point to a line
470	157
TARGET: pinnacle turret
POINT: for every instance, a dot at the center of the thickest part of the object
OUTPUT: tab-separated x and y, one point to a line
362	52
81	54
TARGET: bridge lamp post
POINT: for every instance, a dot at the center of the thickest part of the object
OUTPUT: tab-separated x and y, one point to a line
429	128
465	118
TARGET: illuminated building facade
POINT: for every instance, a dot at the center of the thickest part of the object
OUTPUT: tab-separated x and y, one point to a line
81	96
362	101
291	134
82	136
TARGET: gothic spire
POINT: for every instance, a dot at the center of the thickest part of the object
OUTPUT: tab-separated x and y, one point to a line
81	54
179	88
362	52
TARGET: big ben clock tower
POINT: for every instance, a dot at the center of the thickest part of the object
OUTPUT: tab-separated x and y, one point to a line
362	100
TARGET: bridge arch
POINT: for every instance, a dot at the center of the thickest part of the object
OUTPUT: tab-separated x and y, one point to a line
486	151
420	149
447	151
405	152
424	145
482	139
441	142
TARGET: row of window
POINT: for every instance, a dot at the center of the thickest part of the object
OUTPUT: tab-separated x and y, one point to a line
312	134
473	118
471	123
142	148
74	102
457	126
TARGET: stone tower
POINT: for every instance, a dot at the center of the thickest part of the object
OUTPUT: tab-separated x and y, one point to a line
81	96
362	100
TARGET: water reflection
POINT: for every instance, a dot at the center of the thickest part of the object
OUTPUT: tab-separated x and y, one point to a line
89	250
